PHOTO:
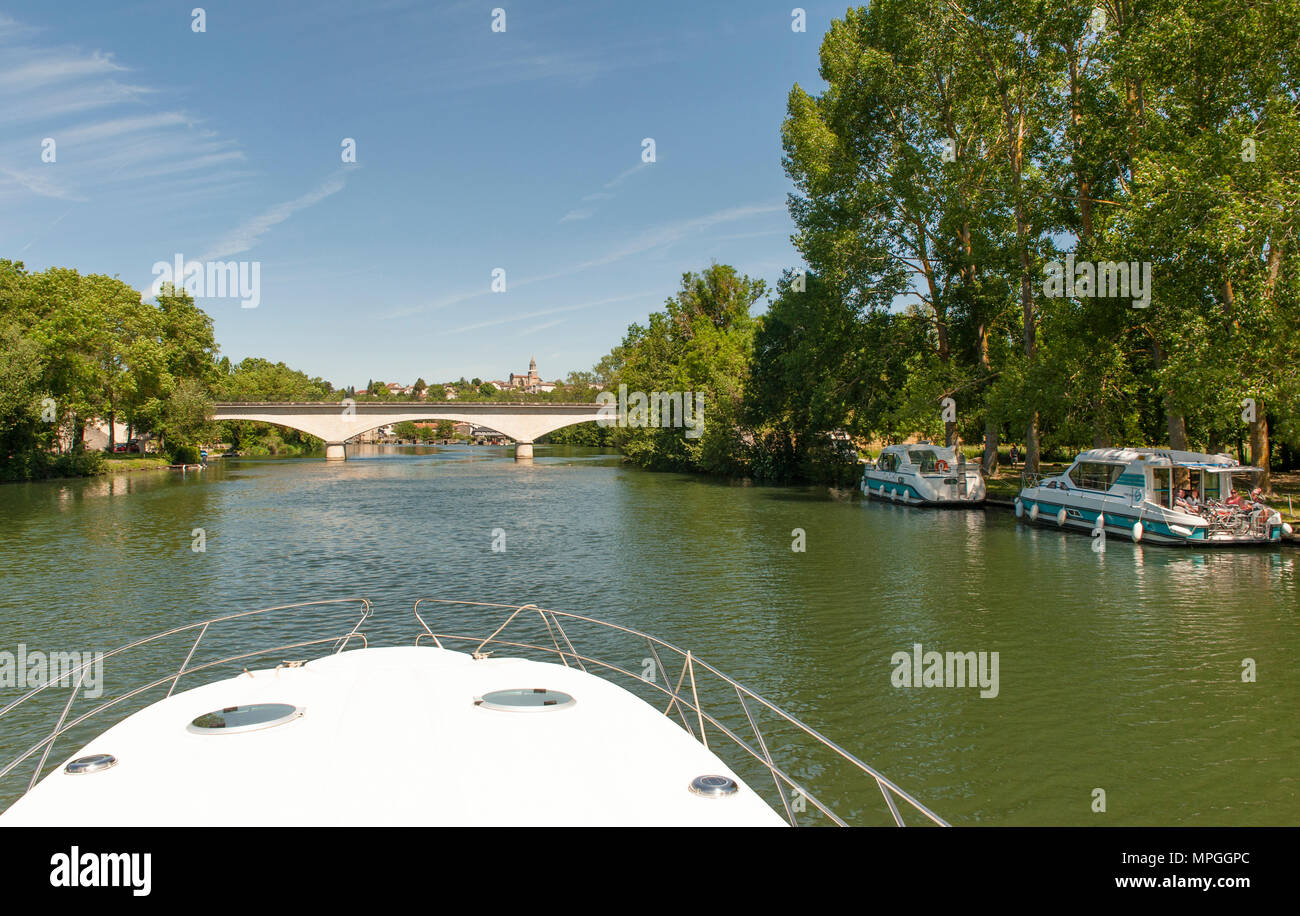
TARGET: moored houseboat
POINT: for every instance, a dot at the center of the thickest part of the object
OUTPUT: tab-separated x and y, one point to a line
923	474
1161	496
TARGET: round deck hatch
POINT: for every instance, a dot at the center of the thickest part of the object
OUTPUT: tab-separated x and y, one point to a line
247	718
714	786
536	699
93	763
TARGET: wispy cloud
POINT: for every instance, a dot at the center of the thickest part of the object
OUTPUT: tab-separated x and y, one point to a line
581	213
508	319
650	240
671	233
105	137
56	68
120	126
541	327
38	182
250	232
625	175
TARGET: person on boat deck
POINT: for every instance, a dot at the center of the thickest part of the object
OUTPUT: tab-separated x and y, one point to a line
1186	501
1236	499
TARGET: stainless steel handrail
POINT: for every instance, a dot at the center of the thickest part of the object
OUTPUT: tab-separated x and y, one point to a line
45	745
677	698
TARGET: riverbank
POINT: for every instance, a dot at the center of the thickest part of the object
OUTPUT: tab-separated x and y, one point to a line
115	464
93	465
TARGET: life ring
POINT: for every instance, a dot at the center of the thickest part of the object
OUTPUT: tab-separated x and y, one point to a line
942	465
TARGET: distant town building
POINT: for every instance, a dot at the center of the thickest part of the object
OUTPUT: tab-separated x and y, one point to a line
531	383
525	381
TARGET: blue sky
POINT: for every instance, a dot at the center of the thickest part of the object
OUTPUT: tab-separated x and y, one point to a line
475	150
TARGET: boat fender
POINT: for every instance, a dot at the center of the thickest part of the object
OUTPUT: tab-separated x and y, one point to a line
1020	508
1033	512
1181	531
1137	532
1061	516
1101	521
1286	528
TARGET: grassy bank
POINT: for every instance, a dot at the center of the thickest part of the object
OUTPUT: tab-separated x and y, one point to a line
113	464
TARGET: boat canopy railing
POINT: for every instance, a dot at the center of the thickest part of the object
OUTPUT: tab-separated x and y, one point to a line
684	683
77	674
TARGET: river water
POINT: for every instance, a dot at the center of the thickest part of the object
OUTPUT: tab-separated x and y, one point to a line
1119	671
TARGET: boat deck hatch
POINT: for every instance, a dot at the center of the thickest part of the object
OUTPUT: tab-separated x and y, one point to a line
536	699
714	786
246	718
94	763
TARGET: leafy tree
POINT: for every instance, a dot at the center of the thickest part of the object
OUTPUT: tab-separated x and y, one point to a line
700	344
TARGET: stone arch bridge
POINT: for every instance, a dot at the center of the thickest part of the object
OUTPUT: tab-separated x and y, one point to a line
338	422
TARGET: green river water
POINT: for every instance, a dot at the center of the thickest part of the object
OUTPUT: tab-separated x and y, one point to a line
1119	670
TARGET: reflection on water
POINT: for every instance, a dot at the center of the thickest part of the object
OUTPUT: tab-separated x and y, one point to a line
1119	670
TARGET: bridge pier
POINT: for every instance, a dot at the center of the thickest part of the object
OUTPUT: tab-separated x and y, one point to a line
334	451
523	451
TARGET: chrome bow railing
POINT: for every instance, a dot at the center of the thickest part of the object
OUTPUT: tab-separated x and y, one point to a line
686	698
691	694
79	672
1033	478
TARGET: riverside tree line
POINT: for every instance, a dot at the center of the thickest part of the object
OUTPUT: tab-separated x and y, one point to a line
79	348
964	152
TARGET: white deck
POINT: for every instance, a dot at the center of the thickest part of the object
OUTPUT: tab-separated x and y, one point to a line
391	736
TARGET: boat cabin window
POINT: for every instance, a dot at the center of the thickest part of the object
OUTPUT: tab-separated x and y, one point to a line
888	462
1161	494
1189	479
1095	475
1213	485
923	458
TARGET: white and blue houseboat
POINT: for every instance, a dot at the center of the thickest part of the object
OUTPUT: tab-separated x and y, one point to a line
1156	495
922	474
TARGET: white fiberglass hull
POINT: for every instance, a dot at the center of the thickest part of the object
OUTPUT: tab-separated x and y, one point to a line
932	490
393	736
1144	521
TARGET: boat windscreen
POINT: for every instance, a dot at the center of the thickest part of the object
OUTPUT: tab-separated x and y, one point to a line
923	458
